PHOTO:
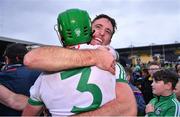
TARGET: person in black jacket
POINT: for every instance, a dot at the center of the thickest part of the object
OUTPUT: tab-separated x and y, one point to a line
146	87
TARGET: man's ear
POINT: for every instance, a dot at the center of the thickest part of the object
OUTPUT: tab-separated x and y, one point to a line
168	85
7	60
5	57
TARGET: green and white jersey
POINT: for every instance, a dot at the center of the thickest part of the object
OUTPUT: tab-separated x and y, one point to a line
77	90
165	106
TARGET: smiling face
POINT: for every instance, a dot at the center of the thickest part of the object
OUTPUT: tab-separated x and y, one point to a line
103	32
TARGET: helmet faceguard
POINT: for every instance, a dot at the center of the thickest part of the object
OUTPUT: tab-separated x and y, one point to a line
74	26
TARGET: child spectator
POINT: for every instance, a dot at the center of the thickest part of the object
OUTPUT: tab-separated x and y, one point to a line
165	102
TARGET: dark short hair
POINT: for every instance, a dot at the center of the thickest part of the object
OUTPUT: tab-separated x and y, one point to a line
15	50
166	76
113	22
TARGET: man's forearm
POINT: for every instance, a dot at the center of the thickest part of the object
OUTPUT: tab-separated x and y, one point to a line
56	58
18	101
123	105
11	99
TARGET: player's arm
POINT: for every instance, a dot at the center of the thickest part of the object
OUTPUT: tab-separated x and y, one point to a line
123	105
11	99
54	58
35	104
31	110
126	101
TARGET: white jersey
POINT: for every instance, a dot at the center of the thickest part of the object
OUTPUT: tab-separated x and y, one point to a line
74	91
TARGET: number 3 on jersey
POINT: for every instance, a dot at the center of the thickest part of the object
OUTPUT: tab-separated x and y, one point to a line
84	86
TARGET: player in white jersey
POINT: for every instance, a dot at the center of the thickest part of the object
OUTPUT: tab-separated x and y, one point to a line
88	87
74	91
91	99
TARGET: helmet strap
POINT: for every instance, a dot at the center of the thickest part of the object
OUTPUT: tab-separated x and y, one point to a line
59	36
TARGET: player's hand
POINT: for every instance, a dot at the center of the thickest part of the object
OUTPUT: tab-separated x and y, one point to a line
105	60
149	108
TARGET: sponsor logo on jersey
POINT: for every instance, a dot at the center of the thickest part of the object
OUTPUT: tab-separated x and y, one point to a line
158	111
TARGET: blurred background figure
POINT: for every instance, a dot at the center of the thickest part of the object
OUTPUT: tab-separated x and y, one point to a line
177	68
137	93
177	89
15	76
146	87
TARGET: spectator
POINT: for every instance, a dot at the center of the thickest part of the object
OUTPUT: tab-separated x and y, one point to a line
177	68
137	93
146	87
16	78
165	102
11	99
177	89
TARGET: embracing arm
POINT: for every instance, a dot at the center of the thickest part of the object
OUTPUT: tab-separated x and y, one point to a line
54	58
123	105
11	99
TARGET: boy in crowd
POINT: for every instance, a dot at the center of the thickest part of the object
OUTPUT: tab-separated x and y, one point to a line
165	102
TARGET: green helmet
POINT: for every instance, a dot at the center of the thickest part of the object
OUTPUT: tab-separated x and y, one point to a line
74	26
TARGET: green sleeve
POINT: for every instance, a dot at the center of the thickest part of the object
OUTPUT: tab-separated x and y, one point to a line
35	103
121	74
